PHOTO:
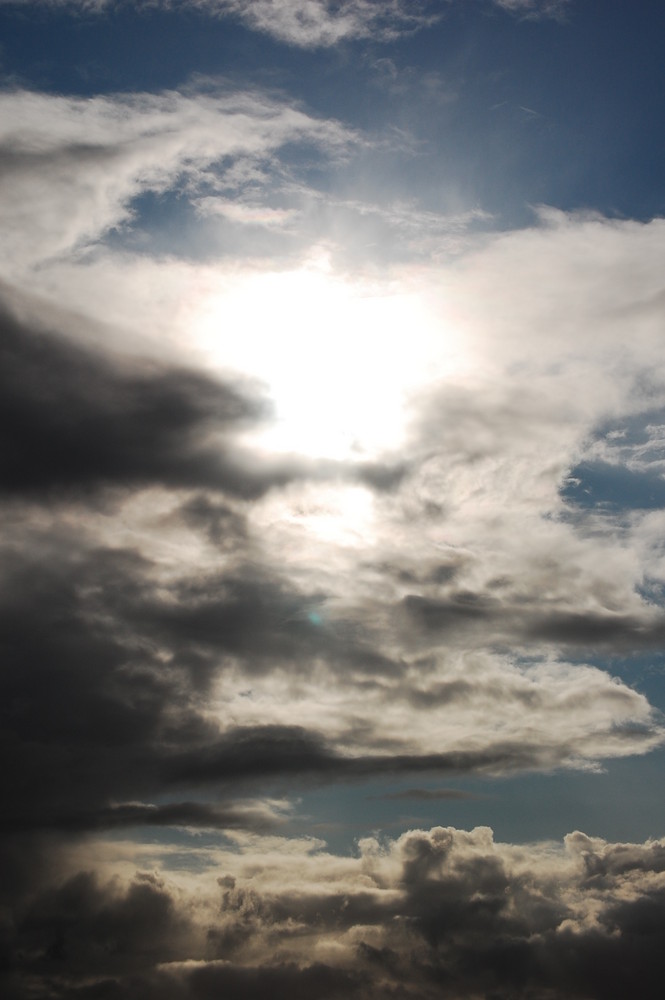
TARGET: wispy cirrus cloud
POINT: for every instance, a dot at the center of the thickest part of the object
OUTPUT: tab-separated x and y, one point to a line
72	166
313	23
302	23
535	8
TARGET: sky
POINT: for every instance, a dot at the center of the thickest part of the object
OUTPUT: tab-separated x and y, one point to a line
332	570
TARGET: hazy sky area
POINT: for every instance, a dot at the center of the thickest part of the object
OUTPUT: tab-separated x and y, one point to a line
332	437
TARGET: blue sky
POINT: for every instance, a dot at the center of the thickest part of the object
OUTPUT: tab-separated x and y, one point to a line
333	435
510	111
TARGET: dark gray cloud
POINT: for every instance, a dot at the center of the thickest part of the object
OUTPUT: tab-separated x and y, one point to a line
73	420
254	614
285	751
459	608
93	710
280	981
515	623
104	692
620	632
83	928
224	816
108	673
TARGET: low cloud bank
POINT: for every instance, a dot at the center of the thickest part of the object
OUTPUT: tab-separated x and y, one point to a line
438	910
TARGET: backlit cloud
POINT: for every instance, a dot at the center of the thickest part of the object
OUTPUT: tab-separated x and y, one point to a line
432	907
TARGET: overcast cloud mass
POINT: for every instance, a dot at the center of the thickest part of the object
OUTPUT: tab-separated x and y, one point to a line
332	573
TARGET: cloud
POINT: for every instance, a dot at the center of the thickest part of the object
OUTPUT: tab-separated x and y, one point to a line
302	23
433	908
317	23
73	420
464	576
228	171
76	420
198	626
314	23
141	679
535	8
257	816
171	600
71	167
195	626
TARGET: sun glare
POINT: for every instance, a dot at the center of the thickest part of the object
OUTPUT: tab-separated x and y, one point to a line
338	356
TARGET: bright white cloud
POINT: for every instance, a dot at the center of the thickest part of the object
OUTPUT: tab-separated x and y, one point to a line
72	166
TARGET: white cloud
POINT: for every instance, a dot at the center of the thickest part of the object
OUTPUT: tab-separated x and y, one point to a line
72	166
311	23
303	23
480	712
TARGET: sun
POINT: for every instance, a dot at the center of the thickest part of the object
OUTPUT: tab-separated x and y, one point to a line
339	356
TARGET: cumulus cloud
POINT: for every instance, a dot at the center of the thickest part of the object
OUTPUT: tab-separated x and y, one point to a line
433	908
